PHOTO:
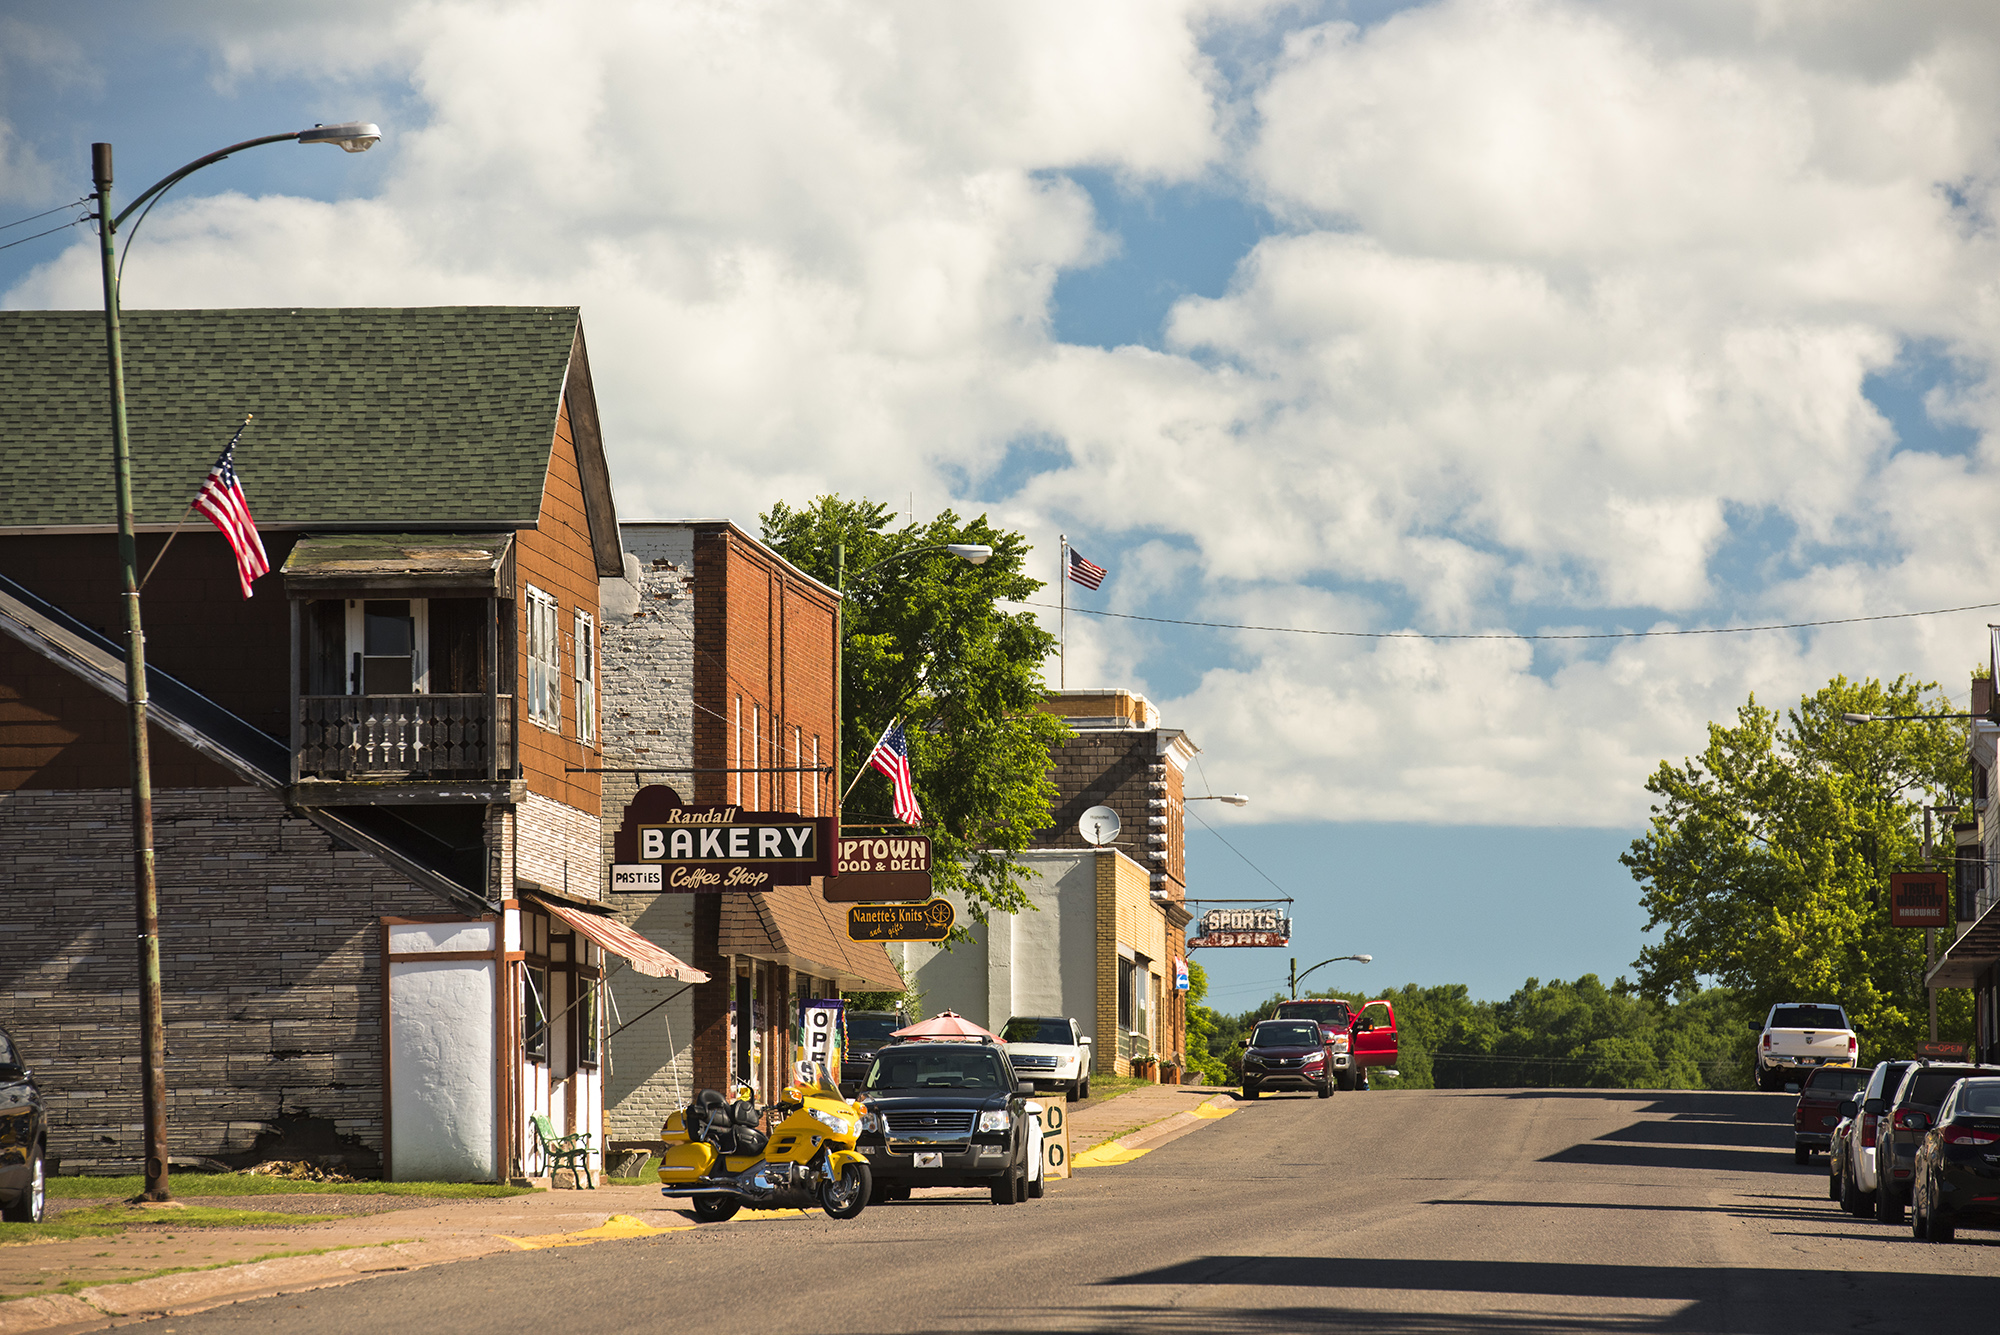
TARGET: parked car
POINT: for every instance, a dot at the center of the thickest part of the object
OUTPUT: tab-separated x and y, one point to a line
1798	1037
1818	1110
24	1139
1902	1126
1050	1052
1287	1054
1954	1179
1336	1024
1374	1039
1857	1192
867	1032
1840	1144
947	1114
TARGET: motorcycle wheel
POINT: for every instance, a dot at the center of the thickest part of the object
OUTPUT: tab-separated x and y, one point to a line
847	1197
715	1209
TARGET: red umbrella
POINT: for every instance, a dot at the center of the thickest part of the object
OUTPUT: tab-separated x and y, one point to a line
945	1024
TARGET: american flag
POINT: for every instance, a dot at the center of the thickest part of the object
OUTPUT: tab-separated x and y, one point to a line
1085	572
221	499
892	756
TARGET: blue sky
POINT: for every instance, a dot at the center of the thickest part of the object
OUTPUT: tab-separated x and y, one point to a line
1452	318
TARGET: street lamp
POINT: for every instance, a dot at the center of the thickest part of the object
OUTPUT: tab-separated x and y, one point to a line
1234	799
355	137
1298	977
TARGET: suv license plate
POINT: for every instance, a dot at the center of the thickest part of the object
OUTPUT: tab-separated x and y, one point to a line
934	1159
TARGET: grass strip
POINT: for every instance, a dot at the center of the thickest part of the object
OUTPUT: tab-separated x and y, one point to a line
256	1184
72	1287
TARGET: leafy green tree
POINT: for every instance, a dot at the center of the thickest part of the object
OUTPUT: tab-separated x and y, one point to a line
1202	1027
1767	859
926	643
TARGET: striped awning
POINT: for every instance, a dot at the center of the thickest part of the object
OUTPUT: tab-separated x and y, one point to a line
622	941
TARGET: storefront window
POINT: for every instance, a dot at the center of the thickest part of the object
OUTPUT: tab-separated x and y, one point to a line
586	1021
535	1012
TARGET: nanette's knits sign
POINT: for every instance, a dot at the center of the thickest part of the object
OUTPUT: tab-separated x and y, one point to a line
901	922
696	849
882	870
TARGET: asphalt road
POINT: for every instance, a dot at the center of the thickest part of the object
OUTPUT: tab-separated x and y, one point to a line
1477	1210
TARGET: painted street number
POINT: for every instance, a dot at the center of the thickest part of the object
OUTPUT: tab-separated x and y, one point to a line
901	922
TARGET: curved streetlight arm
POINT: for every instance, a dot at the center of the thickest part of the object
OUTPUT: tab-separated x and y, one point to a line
167	182
1301	977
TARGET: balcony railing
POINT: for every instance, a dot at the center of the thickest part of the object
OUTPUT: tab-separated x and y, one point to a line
408	736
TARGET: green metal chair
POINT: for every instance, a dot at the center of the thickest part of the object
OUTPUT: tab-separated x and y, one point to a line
571	1151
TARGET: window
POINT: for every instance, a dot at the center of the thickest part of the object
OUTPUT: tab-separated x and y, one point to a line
585	658
586	1021
535	1013
798	774
544	661
816	774
739	751
756	762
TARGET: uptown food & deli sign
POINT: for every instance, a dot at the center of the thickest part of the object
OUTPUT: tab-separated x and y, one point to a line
664	846
882	869
1242	927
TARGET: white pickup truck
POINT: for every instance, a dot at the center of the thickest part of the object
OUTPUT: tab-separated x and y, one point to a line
1797	1037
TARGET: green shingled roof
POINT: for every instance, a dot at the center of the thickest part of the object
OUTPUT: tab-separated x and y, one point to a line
418	418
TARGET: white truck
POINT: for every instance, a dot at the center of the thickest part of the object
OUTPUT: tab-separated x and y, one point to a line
1798	1036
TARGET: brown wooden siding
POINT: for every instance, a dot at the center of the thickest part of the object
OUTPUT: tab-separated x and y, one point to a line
57	732
556	558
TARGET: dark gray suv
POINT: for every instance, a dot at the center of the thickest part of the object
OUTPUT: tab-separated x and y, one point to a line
24	1139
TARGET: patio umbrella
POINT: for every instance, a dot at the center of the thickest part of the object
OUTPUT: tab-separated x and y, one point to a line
946	1024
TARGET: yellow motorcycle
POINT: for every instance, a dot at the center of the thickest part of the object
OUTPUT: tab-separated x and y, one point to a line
719	1157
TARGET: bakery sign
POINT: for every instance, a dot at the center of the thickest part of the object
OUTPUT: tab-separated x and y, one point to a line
665	846
1242	927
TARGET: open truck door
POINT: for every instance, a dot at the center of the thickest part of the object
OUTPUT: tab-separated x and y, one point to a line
1374	1031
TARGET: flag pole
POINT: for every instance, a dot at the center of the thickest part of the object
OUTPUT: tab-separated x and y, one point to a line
1062	619
190	510
863	769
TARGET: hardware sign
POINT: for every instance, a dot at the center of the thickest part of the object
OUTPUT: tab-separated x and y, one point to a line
1917	899
715	848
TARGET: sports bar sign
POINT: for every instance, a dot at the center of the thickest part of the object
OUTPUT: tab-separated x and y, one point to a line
666	846
1242	927
886	870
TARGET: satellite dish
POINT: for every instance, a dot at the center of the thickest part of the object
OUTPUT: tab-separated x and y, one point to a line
1099	826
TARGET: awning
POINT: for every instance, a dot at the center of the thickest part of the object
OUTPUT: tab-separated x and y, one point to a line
323	565
1976	950
625	943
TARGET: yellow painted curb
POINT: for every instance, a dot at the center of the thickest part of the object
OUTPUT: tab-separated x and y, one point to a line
768	1214
1107	1155
617	1226
1209	1111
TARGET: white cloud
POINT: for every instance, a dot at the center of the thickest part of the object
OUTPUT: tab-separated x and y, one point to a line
1566	297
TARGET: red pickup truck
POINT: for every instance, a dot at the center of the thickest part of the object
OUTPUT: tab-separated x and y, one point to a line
1357	1040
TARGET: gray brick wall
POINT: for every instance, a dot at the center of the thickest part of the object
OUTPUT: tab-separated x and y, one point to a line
646	668
270	955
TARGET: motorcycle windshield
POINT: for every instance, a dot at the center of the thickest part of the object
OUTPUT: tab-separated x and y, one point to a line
816	1081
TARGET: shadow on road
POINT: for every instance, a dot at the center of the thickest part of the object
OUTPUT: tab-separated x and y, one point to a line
1720	1298
1798	1210
1700	1158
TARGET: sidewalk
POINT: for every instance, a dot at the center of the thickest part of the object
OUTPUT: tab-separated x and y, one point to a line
345	1250
1119	1130
223	1265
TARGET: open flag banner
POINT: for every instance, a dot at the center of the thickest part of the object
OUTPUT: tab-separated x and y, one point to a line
892	756
221	499
1087	573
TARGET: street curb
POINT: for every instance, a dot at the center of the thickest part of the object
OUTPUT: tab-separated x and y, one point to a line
1134	1144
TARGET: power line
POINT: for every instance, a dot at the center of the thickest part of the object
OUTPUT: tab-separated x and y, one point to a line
45	213
39	235
1514	635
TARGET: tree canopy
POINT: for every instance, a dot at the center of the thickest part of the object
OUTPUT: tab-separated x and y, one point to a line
1767	859
926	643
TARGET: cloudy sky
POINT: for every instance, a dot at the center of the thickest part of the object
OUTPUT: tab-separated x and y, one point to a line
1496	318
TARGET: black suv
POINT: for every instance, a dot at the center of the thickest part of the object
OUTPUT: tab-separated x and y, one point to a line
24	1139
1908	1115
946	1114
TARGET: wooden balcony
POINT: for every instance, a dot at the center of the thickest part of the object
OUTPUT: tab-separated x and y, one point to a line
425	737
